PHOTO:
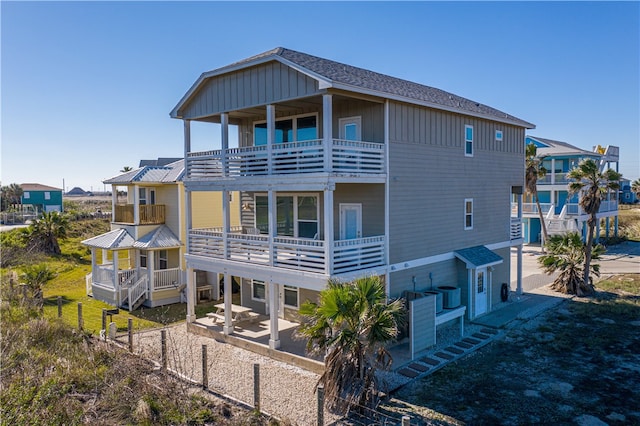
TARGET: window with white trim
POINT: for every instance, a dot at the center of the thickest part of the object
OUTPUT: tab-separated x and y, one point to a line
26	195
163	260
468	213
468	141
290	296
297	215
47	195
143	259
258	291
498	135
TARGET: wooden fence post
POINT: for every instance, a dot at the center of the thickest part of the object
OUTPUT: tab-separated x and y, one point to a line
320	390
205	369
104	321
59	306
163	348
80	319
256	387
130	332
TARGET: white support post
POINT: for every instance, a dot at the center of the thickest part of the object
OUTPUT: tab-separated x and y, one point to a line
273	224
327	130
226	219
519	254
188	219
94	262
114	202
136	205
187	137
274	339
224	125
151	268
227	329
553	172
328	231
191	295
271	135
116	278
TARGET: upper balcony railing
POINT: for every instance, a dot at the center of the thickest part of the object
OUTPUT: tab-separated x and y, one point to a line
150	214
529	209
288	158
289	253
556	178
606	206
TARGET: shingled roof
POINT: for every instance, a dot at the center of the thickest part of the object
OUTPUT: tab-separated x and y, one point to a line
343	76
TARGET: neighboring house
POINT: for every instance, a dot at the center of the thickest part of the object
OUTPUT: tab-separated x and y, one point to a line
627	196
41	198
345	173
77	192
141	260
562	211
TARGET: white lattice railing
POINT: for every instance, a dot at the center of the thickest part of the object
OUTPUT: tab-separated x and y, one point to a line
290	253
288	158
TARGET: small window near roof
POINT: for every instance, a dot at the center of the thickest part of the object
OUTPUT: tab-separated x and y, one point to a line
468	141
499	135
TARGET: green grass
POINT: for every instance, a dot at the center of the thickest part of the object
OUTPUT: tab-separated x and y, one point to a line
628	283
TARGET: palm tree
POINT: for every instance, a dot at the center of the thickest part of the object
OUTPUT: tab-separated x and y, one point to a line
43	233
126	169
350	326
533	171
594	184
566	253
12	195
635	187
35	276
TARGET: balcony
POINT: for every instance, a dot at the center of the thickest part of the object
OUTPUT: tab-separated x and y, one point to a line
288	158
574	209
300	254
150	214
531	209
556	178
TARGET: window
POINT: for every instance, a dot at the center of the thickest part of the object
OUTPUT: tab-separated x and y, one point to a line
47	195
143	259
258	291
468	213
297	215
499	135
290	129
291	296
142	193
26	195
468	141
163	259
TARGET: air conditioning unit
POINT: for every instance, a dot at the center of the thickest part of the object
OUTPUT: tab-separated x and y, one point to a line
450	296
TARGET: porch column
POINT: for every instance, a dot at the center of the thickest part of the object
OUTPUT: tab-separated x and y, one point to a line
471	292
94	263
271	135
607	227
597	236
104	256
151	268
224	139
274	339
187	137
136	205
615	226
114	202
273	223
553	171
328	230
188	219
327	129
519	250
116	278
227	329
191	295
226	219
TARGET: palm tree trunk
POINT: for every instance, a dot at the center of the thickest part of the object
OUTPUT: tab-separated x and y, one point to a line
545	236
591	223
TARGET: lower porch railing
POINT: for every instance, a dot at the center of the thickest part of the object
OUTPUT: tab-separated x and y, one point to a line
288	252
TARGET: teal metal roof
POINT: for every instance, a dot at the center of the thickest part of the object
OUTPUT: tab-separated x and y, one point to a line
478	257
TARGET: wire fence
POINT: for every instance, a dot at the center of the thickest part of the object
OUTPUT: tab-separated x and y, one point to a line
252	381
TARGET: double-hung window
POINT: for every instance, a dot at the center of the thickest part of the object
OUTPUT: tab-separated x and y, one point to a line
258	291
290	296
468	141
289	129
297	215
468	213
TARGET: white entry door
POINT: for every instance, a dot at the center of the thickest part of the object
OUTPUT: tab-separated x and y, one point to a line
350	221
481	291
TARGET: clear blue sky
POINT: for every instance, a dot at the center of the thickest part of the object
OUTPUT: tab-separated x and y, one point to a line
87	87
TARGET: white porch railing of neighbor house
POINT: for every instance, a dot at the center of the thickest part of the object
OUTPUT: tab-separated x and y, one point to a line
606	206
166	278
531	208
287	158
136	291
515	230
288	252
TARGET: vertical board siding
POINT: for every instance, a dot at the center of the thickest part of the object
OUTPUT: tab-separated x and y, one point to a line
372	118
429	179
259	85
371	196
422	324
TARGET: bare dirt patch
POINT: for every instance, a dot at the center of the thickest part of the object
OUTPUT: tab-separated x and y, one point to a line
576	364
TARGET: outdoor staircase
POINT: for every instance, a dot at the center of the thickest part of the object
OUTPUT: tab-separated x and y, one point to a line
134	294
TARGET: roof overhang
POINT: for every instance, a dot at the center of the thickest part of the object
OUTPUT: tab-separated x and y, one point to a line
478	257
118	239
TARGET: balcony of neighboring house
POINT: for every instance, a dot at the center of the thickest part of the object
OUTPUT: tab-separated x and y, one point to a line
146	214
531	209
247	245
606	206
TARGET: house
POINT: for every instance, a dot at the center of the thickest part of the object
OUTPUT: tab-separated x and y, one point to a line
627	196
561	210
344	173
77	192
141	260
41	198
